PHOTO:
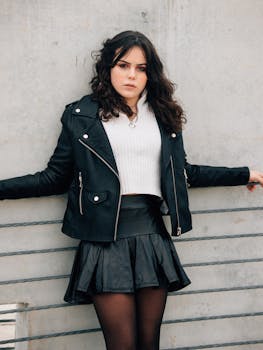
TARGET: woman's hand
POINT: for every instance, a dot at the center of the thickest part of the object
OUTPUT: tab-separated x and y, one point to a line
254	176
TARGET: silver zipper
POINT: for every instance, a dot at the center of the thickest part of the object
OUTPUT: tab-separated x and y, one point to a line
80	193
179	229
111	168
186	179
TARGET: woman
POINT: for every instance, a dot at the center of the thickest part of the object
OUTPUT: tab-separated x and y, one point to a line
120	156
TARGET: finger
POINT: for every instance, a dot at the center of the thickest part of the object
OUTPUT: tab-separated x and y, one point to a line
251	188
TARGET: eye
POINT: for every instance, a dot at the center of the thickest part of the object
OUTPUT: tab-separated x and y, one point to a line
122	65
142	69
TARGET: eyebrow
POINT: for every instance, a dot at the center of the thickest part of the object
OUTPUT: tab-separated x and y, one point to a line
138	64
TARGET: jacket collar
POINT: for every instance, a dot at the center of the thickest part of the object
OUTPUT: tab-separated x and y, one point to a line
86	107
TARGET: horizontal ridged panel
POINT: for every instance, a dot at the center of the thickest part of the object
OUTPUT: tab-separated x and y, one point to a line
229	275
209	304
220	249
226	223
93	341
34	293
23	238
33	265
211	332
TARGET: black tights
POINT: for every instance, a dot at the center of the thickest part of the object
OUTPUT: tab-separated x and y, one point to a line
131	321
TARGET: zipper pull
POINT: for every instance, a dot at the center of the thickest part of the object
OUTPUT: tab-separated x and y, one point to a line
179	231
80	193
80	180
186	178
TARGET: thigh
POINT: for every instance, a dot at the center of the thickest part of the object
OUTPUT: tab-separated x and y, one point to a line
150	305
117	316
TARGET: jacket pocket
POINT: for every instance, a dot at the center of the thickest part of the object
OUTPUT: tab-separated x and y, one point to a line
97	197
86	198
93	203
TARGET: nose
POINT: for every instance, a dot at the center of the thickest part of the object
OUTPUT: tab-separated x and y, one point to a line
132	73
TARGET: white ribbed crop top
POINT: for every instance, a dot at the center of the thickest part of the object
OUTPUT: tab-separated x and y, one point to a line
137	150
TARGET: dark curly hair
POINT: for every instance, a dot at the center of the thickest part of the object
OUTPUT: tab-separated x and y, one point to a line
159	88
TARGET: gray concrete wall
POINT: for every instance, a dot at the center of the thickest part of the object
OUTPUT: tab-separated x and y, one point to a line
213	50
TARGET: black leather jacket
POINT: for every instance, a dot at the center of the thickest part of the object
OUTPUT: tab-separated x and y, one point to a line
83	164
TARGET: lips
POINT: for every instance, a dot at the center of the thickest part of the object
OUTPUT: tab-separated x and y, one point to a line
130	85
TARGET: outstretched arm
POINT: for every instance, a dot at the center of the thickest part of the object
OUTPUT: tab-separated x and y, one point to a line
206	176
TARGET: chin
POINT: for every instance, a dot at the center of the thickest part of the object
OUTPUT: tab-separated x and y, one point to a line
129	96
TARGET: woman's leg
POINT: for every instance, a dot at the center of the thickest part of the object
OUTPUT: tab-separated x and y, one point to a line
150	305
116	314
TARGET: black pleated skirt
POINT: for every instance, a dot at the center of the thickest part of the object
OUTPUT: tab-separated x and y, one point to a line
143	255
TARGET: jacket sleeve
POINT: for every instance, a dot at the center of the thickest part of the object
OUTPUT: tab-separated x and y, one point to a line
54	179
205	175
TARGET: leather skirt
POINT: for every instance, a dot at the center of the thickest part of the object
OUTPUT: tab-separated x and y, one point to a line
143	255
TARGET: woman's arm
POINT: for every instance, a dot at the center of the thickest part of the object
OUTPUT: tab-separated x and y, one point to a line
205	176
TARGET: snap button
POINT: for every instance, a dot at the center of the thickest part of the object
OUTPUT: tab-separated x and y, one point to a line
85	136
77	110
96	198
173	134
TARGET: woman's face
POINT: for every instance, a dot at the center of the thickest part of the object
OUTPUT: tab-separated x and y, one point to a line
128	76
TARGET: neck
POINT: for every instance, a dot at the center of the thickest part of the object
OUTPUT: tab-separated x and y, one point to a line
132	103
134	109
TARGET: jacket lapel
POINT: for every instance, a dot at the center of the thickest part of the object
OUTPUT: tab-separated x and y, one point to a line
96	138
93	135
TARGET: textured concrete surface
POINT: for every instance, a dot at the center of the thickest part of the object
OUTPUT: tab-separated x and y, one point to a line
213	51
